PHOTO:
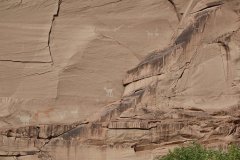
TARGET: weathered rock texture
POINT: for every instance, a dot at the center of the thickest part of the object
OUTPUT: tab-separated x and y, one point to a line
124	79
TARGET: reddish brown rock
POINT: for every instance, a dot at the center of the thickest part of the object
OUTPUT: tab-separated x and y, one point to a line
62	95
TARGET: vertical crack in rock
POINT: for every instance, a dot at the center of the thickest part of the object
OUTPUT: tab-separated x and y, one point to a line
51	28
175	9
186	66
181	75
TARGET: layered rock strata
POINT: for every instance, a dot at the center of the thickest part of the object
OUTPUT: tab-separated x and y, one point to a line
185	91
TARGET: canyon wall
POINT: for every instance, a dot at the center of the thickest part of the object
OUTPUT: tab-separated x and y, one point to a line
124	79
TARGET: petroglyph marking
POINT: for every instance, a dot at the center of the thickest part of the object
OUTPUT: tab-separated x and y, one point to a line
25	119
109	92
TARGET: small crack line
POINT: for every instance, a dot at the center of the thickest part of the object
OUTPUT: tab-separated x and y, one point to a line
119	43
22	52
92	7
181	75
16	61
209	7
51	28
175	9
37	73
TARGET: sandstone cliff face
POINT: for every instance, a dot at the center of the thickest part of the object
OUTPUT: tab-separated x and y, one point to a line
120	79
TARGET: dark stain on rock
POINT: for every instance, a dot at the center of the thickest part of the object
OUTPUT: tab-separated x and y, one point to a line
156	55
117	110
76	132
186	36
154	61
217	3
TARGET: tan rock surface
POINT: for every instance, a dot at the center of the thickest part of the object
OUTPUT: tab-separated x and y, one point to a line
75	82
75	54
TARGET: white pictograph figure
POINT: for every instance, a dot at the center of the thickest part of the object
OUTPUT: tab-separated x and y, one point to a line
149	34
109	92
153	34
75	111
25	119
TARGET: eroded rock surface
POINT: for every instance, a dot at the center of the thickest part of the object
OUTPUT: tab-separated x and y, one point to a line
119	79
